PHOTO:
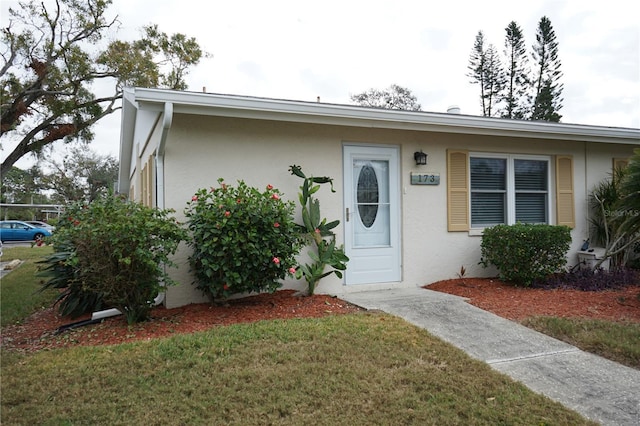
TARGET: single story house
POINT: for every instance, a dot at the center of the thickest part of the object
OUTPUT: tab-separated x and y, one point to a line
403	224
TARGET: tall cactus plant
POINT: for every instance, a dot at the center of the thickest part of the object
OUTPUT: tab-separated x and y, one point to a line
318	233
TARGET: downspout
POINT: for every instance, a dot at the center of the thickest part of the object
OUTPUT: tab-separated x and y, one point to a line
167	120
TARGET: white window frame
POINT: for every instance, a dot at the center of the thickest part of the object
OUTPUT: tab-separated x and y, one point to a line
511	190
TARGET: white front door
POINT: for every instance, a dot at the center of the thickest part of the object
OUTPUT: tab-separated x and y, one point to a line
372	214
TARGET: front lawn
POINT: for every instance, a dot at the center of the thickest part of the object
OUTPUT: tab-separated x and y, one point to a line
368	368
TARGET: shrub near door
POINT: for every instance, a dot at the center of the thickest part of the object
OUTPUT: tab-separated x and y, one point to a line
243	239
524	253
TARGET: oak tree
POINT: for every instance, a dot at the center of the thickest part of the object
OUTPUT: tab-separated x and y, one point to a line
81	175
59	75
393	97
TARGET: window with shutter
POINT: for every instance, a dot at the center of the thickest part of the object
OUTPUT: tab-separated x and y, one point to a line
486	189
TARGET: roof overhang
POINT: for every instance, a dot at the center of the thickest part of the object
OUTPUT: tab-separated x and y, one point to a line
356	116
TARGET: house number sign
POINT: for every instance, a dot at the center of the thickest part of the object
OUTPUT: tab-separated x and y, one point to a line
425	178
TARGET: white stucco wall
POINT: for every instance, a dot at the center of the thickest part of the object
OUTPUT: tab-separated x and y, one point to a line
201	149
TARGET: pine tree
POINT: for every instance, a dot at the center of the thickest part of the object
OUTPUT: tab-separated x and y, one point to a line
494	81
486	70
547	100
516	73
477	66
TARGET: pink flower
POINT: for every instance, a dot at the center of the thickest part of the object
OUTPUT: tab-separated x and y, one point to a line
276	225
275	196
194	198
212	189
269	187
227	213
292	270
276	260
317	231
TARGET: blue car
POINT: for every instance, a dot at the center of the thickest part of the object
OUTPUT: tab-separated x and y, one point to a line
14	230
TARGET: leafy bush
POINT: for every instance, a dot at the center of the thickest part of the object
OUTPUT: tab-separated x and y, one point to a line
112	252
523	253
317	232
244	240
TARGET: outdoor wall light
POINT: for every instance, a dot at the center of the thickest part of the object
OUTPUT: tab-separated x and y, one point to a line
420	157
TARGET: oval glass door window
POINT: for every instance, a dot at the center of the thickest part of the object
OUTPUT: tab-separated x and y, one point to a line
368	195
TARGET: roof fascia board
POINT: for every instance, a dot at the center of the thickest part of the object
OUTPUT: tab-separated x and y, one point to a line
126	140
347	115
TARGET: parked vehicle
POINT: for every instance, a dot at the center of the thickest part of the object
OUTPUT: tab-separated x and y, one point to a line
39	224
14	230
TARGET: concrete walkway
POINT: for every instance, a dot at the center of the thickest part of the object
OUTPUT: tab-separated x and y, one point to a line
599	389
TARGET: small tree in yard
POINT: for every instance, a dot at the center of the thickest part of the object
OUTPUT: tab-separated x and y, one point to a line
244	240
112	252
318	233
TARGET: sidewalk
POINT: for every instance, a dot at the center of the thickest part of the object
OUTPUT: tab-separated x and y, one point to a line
599	389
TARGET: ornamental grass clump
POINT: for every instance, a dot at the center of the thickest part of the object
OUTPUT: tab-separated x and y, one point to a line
113	253
243	240
524	253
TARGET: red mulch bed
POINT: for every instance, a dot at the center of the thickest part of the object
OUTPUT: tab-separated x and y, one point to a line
38	331
518	303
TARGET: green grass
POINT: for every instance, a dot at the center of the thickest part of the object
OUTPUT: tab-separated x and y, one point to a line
618	342
358	369
19	295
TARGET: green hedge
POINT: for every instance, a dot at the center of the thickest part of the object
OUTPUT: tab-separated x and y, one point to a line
524	253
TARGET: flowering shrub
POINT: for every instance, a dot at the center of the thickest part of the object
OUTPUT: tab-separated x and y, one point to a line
112	252
244	240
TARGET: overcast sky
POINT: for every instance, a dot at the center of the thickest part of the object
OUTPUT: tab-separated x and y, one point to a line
300	50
